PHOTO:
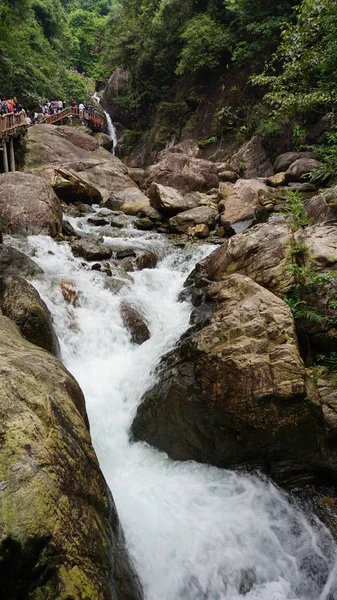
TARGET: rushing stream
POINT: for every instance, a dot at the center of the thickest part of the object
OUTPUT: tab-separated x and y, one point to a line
194	532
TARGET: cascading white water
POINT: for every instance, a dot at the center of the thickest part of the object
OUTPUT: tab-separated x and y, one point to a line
111	132
194	532
111	128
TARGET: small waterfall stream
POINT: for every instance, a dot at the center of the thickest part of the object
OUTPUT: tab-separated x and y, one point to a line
111	128
111	132
194	532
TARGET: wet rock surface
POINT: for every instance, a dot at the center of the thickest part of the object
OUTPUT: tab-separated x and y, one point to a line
14	262
51	482
234	391
91	249
134	323
20	301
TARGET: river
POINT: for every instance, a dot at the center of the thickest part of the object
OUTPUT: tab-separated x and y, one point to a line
194	532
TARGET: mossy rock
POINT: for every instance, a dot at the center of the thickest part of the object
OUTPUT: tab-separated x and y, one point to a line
60	538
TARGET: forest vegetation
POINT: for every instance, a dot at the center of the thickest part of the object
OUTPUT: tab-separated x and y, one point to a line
286	52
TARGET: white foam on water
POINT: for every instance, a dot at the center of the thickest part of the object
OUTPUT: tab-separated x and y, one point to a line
194	532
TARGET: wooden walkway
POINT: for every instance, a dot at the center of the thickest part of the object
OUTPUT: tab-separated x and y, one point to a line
12	124
92	119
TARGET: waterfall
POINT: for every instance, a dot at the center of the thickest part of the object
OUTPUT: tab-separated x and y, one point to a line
195	532
111	132
111	128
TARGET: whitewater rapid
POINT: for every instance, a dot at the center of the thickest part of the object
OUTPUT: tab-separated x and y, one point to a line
194	532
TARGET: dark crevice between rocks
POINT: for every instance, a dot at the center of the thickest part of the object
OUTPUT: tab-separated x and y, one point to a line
24	568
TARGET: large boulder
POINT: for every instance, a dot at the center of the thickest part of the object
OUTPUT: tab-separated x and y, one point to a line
52	144
14	262
116	86
323	206
318	260
168	200
187	147
251	160
95	180
301	168
234	392
91	249
28	205
60	536
249	199
283	161
195	216
21	302
134	323
129	200
263	253
182	172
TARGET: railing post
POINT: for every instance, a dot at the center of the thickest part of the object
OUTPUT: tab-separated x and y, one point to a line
4	156
11	154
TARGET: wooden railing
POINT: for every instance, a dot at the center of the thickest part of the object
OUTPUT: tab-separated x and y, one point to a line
75	113
12	121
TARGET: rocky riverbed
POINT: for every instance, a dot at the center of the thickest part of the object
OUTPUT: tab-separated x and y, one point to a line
198	313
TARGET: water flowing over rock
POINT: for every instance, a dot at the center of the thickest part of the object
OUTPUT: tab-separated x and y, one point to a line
28	205
193	530
134	323
234	391
20	301
91	249
60	534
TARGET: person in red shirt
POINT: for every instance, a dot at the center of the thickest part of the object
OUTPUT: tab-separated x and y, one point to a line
10	103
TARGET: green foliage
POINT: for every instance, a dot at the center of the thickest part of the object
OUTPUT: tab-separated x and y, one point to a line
302	311
299	136
327	154
173	43
207	142
36	52
295	210
87	29
268	127
205	43
329	361
302	77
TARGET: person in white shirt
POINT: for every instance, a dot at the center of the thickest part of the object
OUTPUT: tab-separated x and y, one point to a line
59	106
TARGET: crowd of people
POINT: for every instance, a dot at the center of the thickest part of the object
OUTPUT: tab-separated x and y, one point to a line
44	109
9	105
56	106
